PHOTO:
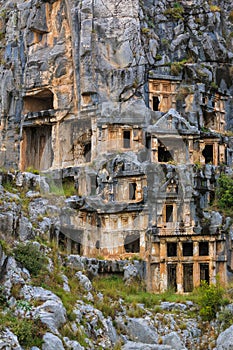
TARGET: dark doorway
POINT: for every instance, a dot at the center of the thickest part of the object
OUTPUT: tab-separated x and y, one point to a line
126	139
155	103
87	152
37	147
208	154
171	249
171	277
204	273
132	243
75	248
188	249
203	248
163	154
62	241
188	277
169	213
132	190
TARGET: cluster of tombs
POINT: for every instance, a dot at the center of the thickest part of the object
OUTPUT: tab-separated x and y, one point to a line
142	187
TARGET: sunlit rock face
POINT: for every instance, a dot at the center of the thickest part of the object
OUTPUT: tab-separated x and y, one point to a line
131	101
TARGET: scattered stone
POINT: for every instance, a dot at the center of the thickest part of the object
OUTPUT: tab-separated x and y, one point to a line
52	342
84	281
174	341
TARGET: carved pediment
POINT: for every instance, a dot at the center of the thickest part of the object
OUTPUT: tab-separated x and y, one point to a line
173	122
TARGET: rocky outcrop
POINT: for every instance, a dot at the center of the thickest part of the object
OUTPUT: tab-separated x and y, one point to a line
52	342
51	312
9	341
225	341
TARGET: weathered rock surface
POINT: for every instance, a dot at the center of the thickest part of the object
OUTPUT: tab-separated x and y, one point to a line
51	311
142	346
139	330
174	341
9	341
225	340
52	342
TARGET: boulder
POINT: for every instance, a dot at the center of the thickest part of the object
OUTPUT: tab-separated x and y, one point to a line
25	229
225	340
138	330
9	341
72	344
52	342
75	261
141	346
172	339
84	281
130	273
51	312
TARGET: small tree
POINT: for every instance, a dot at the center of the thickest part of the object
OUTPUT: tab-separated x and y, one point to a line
210	299
225	193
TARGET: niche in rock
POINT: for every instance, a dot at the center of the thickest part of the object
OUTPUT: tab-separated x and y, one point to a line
42	101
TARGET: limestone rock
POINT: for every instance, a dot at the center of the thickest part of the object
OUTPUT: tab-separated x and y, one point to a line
52	342
84	281
51	311
9	341
172	339
139	330
25	230
141	346
75	261
72	344
225	340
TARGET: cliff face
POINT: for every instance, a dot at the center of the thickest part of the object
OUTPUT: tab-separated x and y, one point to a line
80	55
132	102
84	54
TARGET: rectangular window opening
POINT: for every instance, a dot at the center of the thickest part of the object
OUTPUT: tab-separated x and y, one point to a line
171	277
208	154
188	249
203	248
164	155
132	190
188	277
204	273
171	249
126	138
169	213
155	103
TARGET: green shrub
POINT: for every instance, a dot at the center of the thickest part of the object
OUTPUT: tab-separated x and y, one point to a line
30	257
210	299
65	188
225	317
176	12
224	194
29	331
32	170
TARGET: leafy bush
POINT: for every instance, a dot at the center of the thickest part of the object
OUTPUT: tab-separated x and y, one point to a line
225	317
30	257
210	299
225	193
29	331
176	12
